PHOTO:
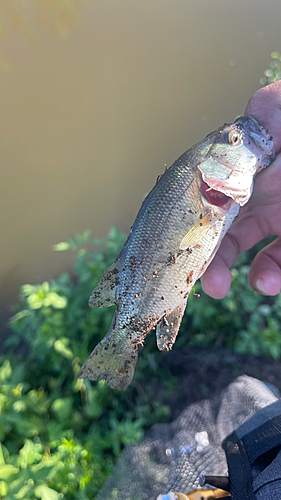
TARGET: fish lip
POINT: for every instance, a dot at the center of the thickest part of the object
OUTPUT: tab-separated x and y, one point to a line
259	135
264	144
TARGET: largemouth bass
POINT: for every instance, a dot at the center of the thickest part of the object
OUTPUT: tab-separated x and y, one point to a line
174	238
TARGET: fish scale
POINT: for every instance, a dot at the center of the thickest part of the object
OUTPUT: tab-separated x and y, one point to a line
175	236
165	235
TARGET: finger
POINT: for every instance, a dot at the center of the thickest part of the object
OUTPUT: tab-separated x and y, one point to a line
265	107
246	231
265	272
267	187
216	281
251	227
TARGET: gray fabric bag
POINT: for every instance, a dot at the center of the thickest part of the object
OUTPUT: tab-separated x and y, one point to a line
172	457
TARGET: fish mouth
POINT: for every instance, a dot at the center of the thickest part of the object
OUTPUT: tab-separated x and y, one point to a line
224	195
262	140
263	143
215	197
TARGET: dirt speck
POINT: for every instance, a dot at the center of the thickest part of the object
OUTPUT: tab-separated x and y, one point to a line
189	278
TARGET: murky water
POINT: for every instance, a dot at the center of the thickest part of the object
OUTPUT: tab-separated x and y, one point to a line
97	96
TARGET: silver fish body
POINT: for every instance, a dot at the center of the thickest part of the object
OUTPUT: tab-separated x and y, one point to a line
174	238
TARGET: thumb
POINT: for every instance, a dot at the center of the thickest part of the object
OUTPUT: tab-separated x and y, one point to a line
265	107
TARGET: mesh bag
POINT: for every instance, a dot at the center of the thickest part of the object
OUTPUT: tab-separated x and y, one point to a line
173	456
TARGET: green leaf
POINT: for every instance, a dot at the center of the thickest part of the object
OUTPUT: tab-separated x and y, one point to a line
27	290
2	458
46	493
43	469
29	454
61	347
62	246
3	489
19	406
7	470
5	371
20	315
63	407
34	301
25	491
73	244
55	300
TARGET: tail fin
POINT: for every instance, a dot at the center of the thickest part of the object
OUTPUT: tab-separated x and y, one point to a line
113	360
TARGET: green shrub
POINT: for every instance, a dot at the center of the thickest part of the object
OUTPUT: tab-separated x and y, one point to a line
61	436
273	73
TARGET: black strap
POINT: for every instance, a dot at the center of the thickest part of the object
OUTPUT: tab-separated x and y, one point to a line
248	445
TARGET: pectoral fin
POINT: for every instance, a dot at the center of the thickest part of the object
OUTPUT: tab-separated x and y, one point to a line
197	232
167	329
104	293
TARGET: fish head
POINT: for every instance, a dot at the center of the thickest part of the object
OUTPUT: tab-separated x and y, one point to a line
233	155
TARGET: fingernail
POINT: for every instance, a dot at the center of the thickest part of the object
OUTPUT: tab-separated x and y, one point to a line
260	286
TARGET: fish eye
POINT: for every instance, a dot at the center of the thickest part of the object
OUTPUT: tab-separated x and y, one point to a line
234	138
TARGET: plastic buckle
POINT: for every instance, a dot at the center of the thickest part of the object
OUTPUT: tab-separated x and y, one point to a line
196	495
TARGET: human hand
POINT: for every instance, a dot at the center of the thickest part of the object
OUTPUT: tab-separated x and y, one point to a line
261	217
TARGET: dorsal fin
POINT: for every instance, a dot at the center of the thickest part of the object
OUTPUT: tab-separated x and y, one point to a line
103	294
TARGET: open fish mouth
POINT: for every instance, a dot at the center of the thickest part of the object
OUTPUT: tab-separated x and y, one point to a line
214	196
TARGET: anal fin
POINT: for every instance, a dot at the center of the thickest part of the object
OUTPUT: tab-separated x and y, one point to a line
103	294
167	329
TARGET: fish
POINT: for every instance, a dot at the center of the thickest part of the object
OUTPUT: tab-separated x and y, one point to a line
175	236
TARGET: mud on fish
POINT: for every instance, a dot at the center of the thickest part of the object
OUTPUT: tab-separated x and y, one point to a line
173	240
